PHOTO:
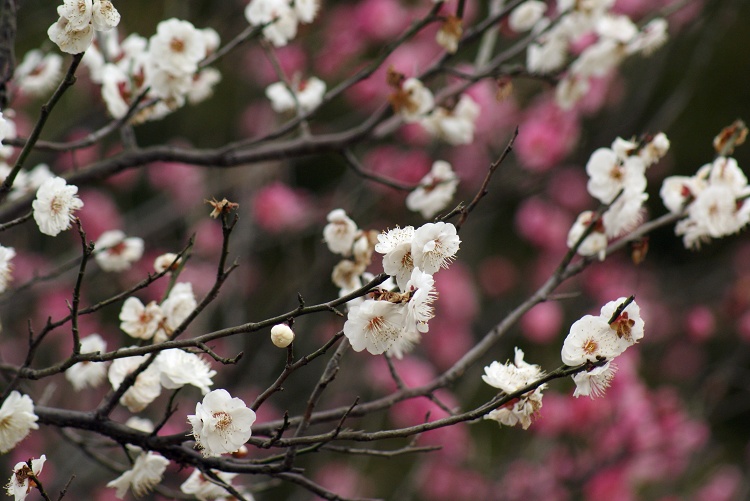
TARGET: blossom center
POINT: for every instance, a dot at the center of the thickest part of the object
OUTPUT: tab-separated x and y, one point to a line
590	346
177	45
223	420
56	206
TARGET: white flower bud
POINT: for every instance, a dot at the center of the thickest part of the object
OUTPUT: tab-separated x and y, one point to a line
282	335
165	261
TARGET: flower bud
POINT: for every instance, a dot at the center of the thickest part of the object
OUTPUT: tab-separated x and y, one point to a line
165	261
282	335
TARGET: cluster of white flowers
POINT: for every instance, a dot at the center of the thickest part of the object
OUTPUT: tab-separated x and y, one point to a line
20	484
172	369
715	199
510	378
221	424
54	206
435	190
154	320
617	176
116	252
617	37
593	339
147	472
281	17
88	374
308	94
26	182
79	19
414	103
38	73
167	64
388	321
17	419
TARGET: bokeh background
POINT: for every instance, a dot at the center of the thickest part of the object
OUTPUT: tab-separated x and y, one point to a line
674	424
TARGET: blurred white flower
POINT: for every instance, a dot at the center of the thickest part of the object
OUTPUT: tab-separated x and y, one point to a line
117	252
413	101
38	73
203	489
17	419
221	424
6	267
179	304
88	374
340	232
526	15
54	206
147	472
435	190
20	481
455	126
280	17
309	94
167	260
139	321
177	47
595	244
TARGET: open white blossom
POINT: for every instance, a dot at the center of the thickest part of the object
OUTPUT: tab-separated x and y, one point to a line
139	321
375	325
396	245
38	73
204	489
413	101
74	30
511	377
146	473
54	206
88	374
147	384
221	424
17	419
178	368
308	93
609	174
594	382
434	246
180	303
593	338
419	309
203	85
20	485
167	260
140	424
177	47
117	252
435	190
340	232
6	267
455	126
595	244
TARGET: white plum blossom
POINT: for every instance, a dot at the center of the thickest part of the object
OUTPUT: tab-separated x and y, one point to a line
282	335
178	368
6	267
54	206
677	191
419	309
38	73
655	149
114	81
434	246
20	484
526	15
204	489
511	377
548	56
69	39
203	85
221	424
177	47
74	30
180	303
593	338
104	16
139	321
280	17
147	384
306	10
651	37
449	34
88	374
375	325
307	93
592	383
595	244
435	190
609	174
413	101
625	214
396	245
455	126
146	473
17	419
140	424
340	232
117	252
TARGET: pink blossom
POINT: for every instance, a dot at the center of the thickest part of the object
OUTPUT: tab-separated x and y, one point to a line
442	480
567	188
542	323
380	20
497	275
278	208
700	323
99	213
447	341
405	166
343	479
75	159
724	484
292	60
546	136
543	224
184	183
